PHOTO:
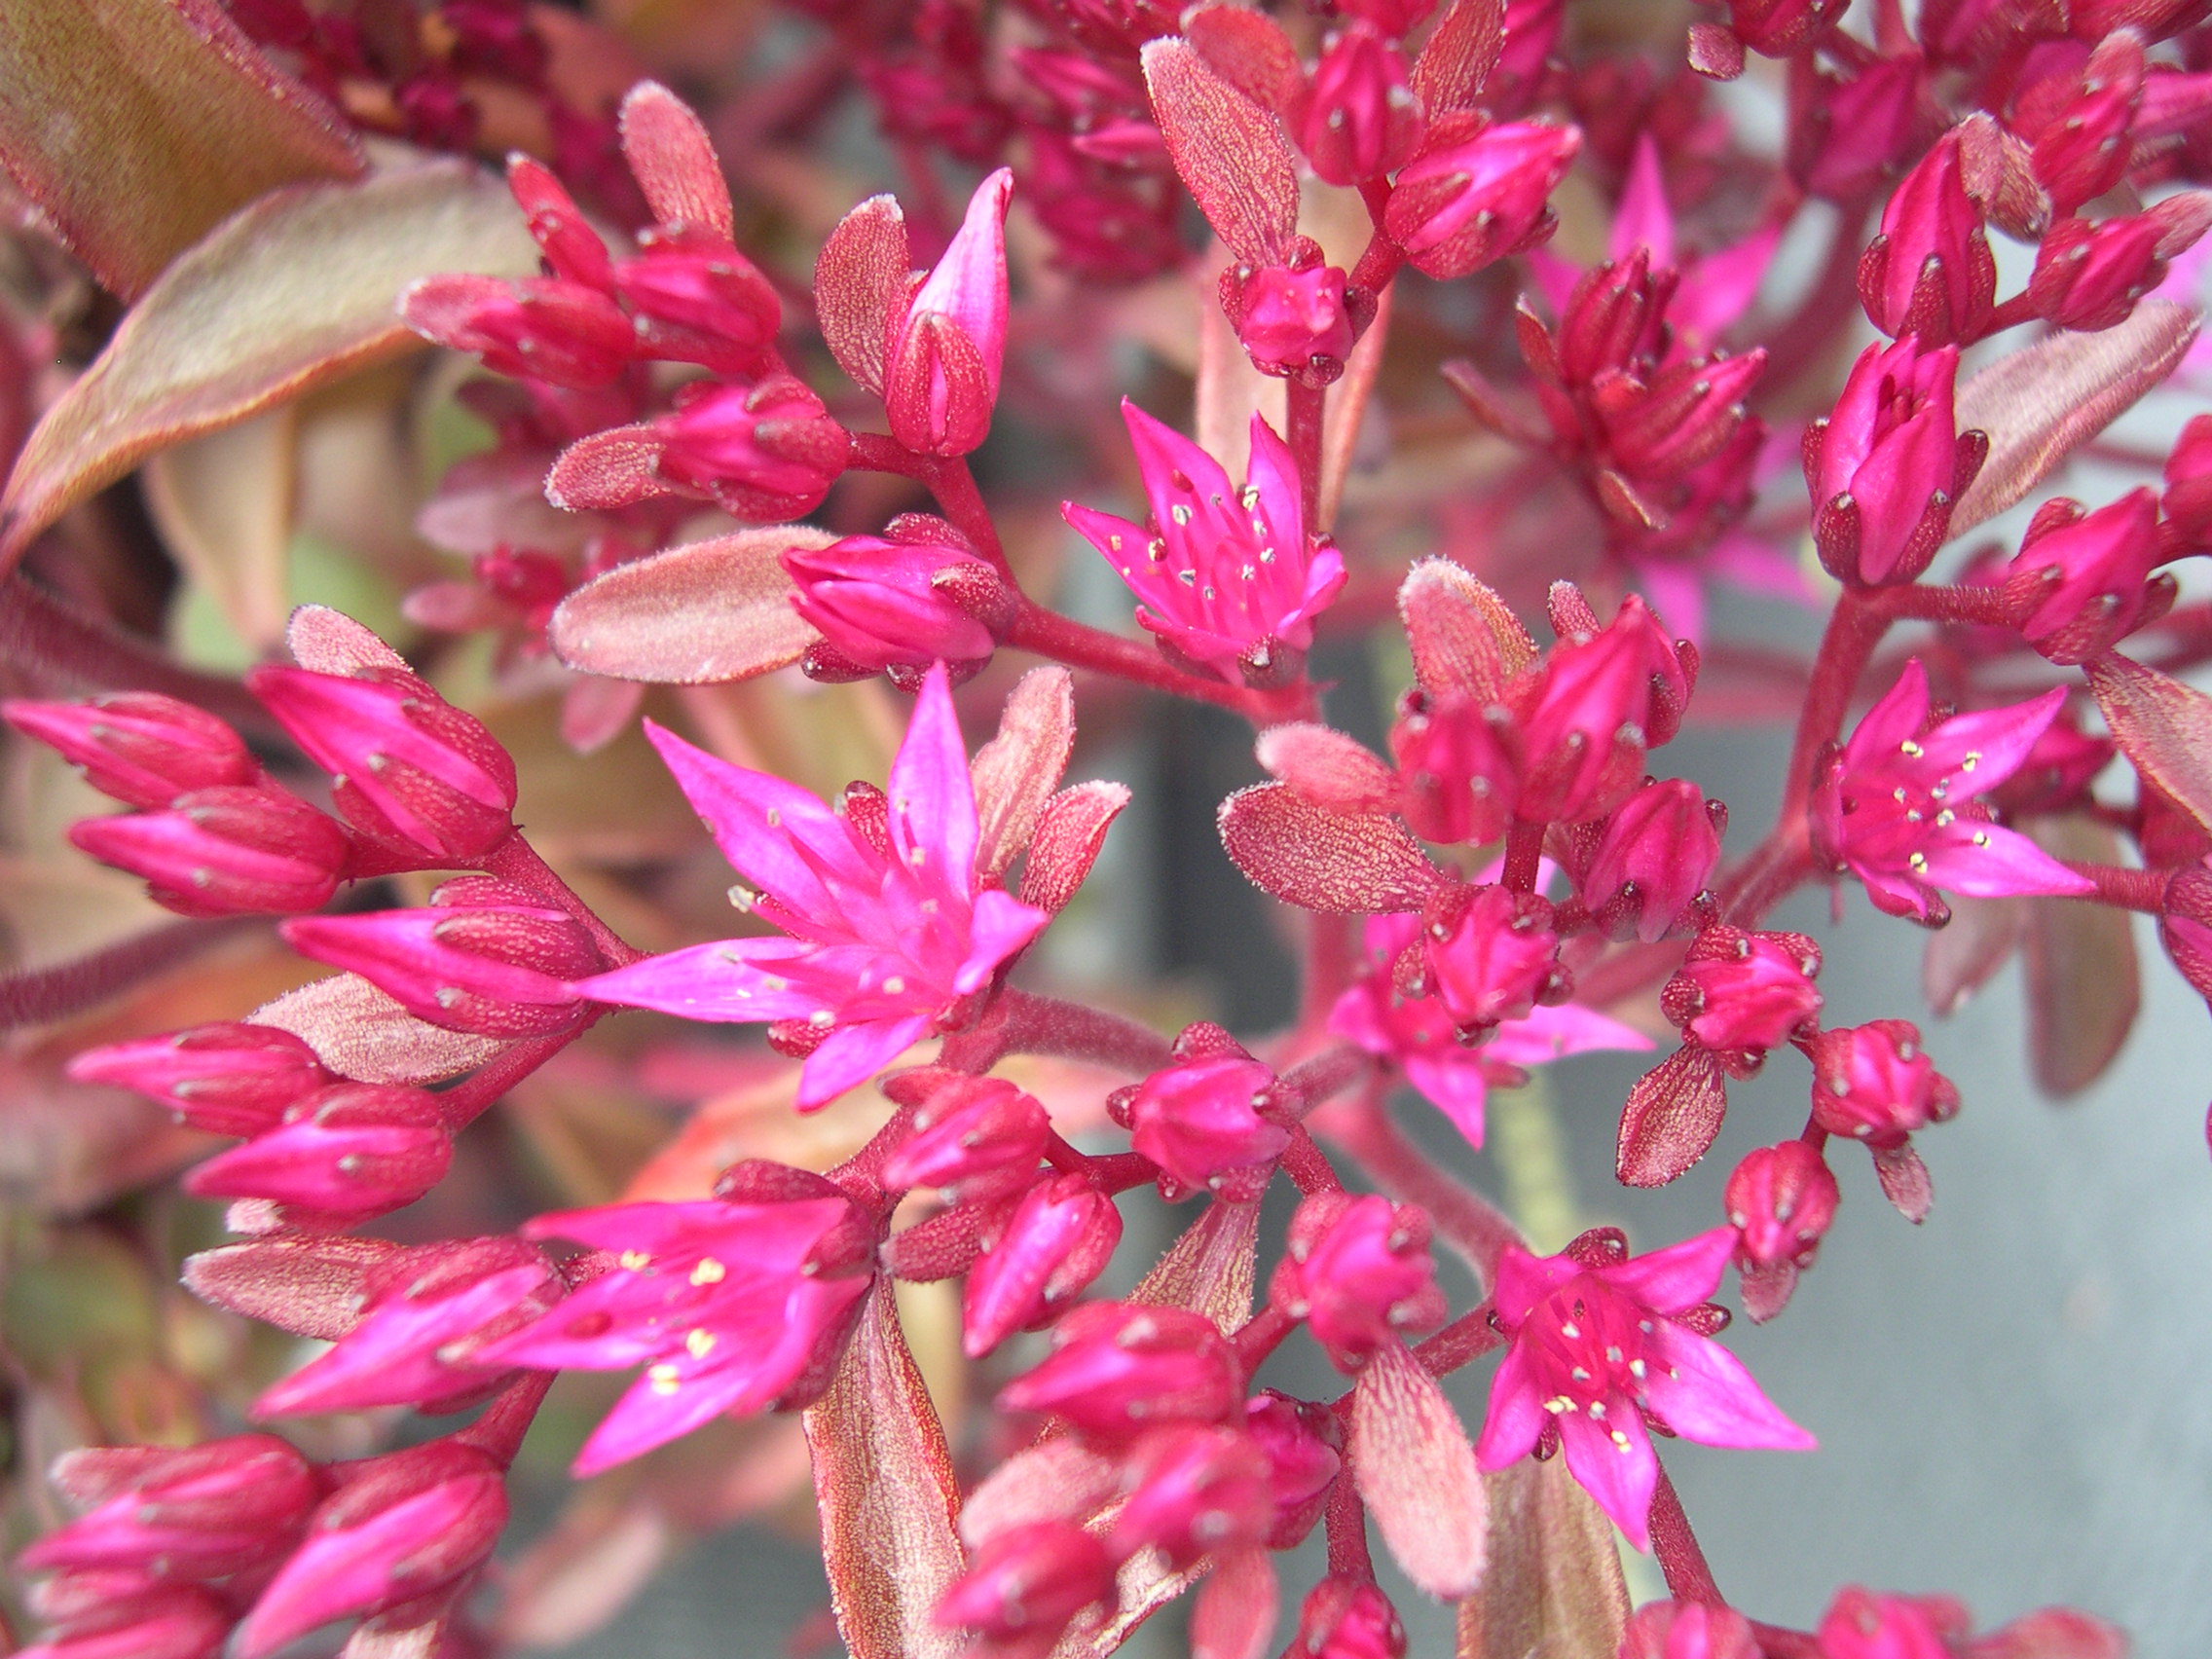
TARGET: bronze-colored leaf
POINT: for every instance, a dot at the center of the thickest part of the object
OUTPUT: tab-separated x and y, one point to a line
298	288
704	612
310	1287
1211	1267
1017	772
2160	724
1231	152
1670	1118
859	281
1324	860
223	504
2083	988
1961	957
1416	1474
360	1033
884	1483
138	125
1554	1590
1459	56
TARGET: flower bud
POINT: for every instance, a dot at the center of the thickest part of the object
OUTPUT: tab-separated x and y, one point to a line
139	747
233	851
176	1622
1617	318
1359	1273
1689	1630
1059	1239
1347	1618
945	354
1194	1491
1929	272
1653	858
501	970
1847	134
1862	1625
699	300
2088	276
1361	118
2081	583
1490	955
409	769
545	328
1887	466
425	1312
571	248
764	452
227	1080
881	603
1739	994
1874	1083
1025	1584
404	1525
1781	1200
974	1138
1474	194
1202	1119
1292	319
1117	1368
1678	420
2084	148
1304	1445
201	1512
2188	500
352	1150
1587	717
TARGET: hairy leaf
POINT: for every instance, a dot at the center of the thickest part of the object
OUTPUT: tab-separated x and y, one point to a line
360	1033
1416	1474
1211	1267
859	283
884	1483
1234	1614
1670	1120
1247	49
2163	726
138	125
1466	639
674	160
1554	1586
2046	400
1017	772
1323	860
1459	56
706	611
310	1287
2084	983
295	290
1961	957
1231	152
1328	768
1065	843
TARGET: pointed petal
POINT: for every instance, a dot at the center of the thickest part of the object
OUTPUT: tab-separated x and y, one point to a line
1002	925
1896	716
736	981
1160	451
1456	1089
932	800
1999	739
1553	1033
854	1054
1523	1281
1272	470
2004	863
752	817
1515	1419
1703	1393
970	282
1620	1477
1680	1276
1644	216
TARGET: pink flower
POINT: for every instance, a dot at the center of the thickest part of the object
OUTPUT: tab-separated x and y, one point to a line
885	928
196	1512
1886	468
1876	1084
1025	1585
484	957
1211	1122
974	1138
1347	1618
1781	1200
1739	994
1598	703
1292	319
1475	193
945	353
695	299
2084	148
1490	955
402	1526
426	1313
1896	807
1058	1239
1598	1340
226	1079
1653	858
2088	276
1117	1369
734	1305
1418	1034
1226	577
139	747
2082	582
1929	272
1687	1629
1358	1272
234	851
894	601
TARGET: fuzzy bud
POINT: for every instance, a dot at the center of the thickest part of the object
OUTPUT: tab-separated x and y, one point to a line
1781	1200
1361	118
200	1512
1929	272
1490	955
1741	994
1887	466
946	353
892	602
1304	1445
1689	1630
234	851
2083	583
974	1138
1059	1239
1875	1083
1653	858
1347	1618
1474	194
1292	319
1117	1369
1025	1585
1206	1120
763	452
1358	1271
139	747
352	1150
227	1079
1194	1491
699	300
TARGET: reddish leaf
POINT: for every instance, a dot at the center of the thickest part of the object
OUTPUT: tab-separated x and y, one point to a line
1905	1180
1672	1114
884	1484
2083	988
674	160
618	468
1211	1267
330	642
310	1287
297	289
360	1033
1459	56
706	611
138	125
1065	843
1231	152
1464	638
1997	167
2046	400
1962	956
1554	1586
1416	1474
1347	862
860	285
1716	52
1017	772
1328	768
1247	49
2163	726
1057	1479
1235	1614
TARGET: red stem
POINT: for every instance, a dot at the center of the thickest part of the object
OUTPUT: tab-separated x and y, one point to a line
1681	1558
1304	405
40	995
1306	1167
2142	890
1523	852
465	1102
1075	1031
498	1432
1346	1522
1467	1338
1064	639
1332	1070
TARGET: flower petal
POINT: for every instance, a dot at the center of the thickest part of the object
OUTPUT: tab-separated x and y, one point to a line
1515	1419
933	800
1620	1474
1704	1393
851	1055
1680	1276
1001	925
734	980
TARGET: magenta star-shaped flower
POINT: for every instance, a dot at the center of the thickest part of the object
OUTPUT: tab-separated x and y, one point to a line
1224	575
1896	805
1600	1343
885	927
